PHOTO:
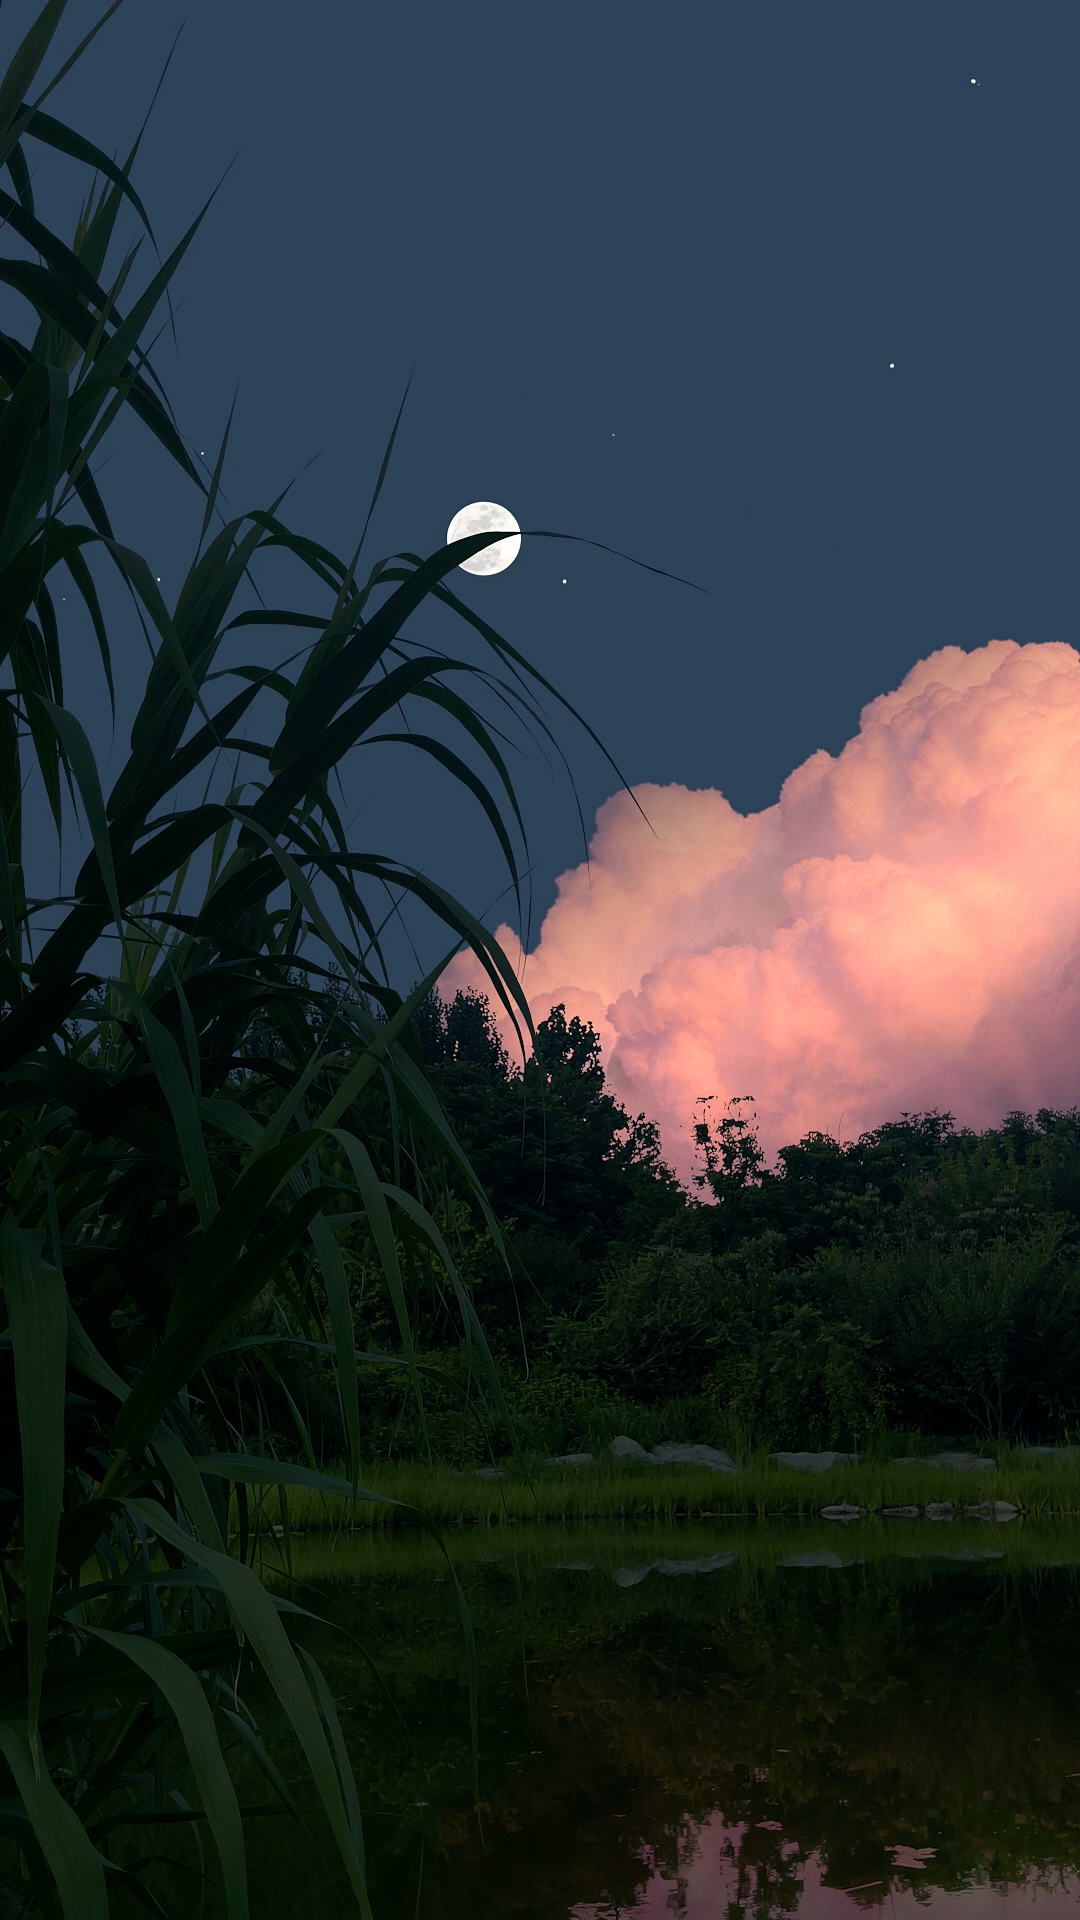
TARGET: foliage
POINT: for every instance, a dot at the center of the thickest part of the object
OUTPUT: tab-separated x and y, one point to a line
923	1276
195	1107
552	1147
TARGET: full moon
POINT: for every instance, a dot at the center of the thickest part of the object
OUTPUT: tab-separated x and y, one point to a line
485	517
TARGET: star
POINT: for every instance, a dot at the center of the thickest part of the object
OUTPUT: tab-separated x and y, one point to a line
892	364
564	583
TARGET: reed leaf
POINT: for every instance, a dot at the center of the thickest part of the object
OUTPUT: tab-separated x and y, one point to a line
74	1863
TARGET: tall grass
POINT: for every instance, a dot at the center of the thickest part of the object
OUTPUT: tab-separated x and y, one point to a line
191	1108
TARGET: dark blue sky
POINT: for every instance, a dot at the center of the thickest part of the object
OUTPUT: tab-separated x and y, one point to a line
651	266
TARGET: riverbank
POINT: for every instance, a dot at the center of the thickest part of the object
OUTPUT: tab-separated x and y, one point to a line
1046	1488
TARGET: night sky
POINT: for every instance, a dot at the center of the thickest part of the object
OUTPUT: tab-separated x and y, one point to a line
781	298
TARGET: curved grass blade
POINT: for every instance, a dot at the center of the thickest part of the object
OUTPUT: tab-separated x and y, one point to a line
75	1864
261	1623
196	1723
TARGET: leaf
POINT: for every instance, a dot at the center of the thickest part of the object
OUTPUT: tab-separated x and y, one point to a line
337	1293
252	1472
53	133
35	1019
26	61
80	758
237	1218
196	1722
75	1864
182	1098
194	1340
169	1447
262	1626
341	1753
37	1318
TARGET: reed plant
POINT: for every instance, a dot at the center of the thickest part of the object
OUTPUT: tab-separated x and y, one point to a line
205	1074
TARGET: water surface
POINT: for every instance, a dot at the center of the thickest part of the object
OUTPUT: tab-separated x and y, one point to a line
707	1720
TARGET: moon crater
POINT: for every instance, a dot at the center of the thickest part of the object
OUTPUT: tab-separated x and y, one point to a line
485	516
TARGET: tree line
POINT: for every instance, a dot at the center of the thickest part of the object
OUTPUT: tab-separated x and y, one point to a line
924	1278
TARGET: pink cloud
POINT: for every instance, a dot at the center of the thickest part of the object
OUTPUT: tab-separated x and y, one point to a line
899	931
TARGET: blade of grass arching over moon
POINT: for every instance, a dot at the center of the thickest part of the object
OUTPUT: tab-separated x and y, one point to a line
340	678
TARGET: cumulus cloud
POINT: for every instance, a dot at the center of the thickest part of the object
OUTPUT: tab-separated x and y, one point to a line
900	931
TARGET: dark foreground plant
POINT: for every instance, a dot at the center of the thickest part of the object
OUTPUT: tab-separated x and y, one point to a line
191	1112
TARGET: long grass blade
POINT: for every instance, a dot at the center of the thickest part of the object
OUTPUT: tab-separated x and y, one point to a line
37	1318
261	1623
74	1862
196	1723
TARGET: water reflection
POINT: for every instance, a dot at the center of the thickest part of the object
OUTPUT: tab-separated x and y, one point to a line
712	1722
719	1874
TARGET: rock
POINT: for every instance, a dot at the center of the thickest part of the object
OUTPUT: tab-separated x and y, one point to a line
631	1576
816	1560
900	1513
672	1569
814	1462
569	1460
572	1566
1048	1453
954	1462
974	1553
489	1473
671	1453
843	1512
994	1510
941	1510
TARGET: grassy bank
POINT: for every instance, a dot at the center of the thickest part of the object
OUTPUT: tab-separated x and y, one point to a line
617	1490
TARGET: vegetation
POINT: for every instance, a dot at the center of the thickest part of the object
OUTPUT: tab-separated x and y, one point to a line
622	1490
916	1289
258	1207
205	1073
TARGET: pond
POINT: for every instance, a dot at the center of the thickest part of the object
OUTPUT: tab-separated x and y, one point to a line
711	1721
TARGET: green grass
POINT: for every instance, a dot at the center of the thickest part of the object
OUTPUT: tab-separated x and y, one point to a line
610	1490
